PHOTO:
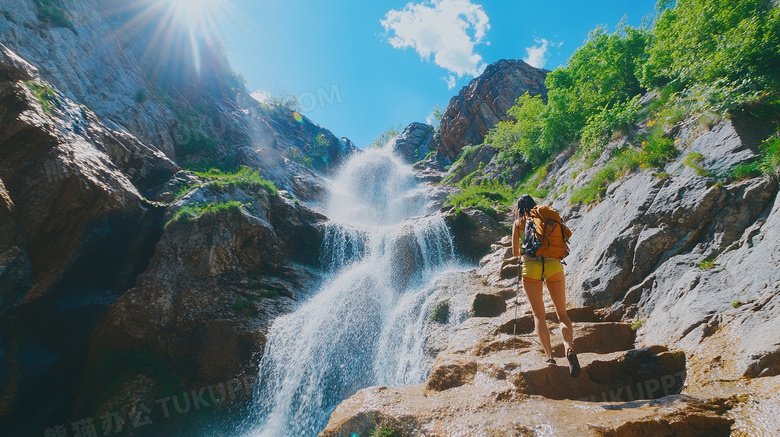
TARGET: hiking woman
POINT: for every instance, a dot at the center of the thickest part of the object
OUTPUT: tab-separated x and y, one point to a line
536	270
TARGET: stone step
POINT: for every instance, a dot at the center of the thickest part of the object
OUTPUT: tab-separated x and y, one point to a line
648	373
599	337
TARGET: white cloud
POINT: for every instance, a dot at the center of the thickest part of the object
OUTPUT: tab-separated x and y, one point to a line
447	29
450	81
537	55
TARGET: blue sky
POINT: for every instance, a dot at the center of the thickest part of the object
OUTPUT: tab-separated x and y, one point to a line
359	68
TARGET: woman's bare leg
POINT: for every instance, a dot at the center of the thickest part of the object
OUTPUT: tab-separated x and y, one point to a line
533	290
557	286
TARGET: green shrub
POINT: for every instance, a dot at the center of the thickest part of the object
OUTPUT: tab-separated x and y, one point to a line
731	44
486	197
636	325
386	136
657	150
531	185
707	264
770	154
440	313
736	304
45	95
597	187
184	189
767	163
604	124
384	429
521	135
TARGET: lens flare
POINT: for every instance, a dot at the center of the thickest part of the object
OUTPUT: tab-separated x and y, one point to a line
298	117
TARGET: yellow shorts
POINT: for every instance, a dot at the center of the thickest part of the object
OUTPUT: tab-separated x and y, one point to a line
532	268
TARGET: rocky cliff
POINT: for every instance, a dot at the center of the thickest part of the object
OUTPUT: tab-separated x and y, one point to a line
124	279
482	103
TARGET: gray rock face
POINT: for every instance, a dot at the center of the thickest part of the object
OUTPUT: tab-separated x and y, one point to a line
642	250
483	103
475	160
415	142
214	310
95	65
75	230
276	128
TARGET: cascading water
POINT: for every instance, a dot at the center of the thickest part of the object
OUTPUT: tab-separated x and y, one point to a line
369	322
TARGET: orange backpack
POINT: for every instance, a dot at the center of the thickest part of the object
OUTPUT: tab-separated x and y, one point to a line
548	237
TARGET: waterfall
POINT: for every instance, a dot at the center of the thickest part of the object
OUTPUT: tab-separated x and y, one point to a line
368	322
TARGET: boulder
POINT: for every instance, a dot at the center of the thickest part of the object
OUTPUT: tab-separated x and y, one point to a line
414	143
483	103
473	231
206	319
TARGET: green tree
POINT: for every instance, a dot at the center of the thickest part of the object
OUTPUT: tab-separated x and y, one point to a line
706	41
600	75
522	134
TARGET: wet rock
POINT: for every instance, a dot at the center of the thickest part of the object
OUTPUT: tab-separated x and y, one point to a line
451	374
488	305
483	103
473	231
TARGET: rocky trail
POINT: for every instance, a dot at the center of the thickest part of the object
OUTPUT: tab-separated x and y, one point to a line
489	382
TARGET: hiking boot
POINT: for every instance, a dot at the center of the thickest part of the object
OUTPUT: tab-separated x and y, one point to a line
574	364
551	361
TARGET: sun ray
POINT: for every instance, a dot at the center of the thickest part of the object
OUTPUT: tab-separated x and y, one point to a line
172	28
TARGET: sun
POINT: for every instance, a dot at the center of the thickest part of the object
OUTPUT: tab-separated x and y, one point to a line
197	13
177	26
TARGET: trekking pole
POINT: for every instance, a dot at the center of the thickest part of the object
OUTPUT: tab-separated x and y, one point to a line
517	301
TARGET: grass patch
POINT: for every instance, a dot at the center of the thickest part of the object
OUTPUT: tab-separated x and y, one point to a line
770	154
184	189
191	212
636	325
767	163
597	187
707	264
45	95
486	197
695	160
736	304
531	185
492	197
244	178
657	149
